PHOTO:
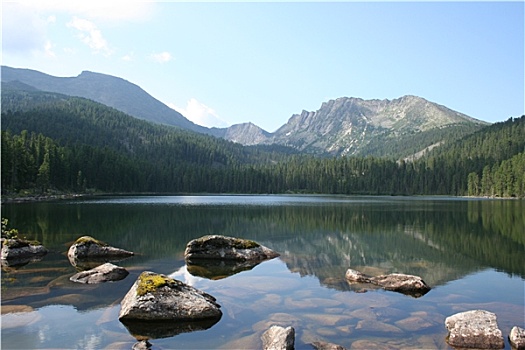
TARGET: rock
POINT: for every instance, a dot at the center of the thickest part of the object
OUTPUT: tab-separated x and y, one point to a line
157	297
103	273
19	251
227	248
397	282
87	247
279	338
474	329
517	338
321	345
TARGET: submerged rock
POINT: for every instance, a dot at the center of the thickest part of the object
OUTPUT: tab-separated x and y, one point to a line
474	329
157	297
100	274
87	247
19	251
397	282
279	338
321	345
228	248
517	338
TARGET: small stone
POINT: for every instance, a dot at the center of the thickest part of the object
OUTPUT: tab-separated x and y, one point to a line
397	282
517	337
279	338
103	273
474	329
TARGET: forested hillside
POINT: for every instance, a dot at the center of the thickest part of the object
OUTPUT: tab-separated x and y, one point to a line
69	143
52	142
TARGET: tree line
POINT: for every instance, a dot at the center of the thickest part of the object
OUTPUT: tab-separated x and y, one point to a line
55	143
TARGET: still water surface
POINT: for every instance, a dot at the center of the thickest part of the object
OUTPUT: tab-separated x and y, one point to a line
470	251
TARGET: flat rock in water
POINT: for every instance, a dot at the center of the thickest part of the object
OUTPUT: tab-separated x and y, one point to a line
157	297
227	248
279	338
87	247
517	338
397	282
100	274
474	329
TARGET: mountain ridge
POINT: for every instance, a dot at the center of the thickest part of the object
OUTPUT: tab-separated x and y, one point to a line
344	126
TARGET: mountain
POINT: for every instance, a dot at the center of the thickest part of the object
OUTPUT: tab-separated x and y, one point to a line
247	134
353	126
399	128
106	89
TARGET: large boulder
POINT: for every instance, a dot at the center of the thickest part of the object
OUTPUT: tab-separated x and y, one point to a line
103	273
227	248
279	338
157	297
15	249
87	247
397	282
474	329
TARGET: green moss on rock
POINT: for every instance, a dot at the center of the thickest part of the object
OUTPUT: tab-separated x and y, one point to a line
244	244
149	282
90	240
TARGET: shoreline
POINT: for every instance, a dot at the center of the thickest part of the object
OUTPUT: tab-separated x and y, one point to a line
6	199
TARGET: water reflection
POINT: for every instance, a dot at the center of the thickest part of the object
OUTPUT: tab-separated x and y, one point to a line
453	244
438	240
215	269
155	330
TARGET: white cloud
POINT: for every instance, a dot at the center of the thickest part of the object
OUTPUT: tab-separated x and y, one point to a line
90	35
110	11
128	57
161	57
48	47
200	114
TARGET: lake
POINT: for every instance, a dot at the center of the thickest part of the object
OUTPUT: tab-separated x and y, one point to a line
470	251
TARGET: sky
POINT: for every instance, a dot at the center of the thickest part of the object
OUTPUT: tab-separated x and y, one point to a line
224	63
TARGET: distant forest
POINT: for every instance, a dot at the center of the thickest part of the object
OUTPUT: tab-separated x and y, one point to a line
55	143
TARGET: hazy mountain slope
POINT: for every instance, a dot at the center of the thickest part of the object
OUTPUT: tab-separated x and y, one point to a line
106	89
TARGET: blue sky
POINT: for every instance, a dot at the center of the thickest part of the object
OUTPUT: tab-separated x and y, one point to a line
227	63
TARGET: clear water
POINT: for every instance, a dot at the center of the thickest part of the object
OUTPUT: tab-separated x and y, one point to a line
470	251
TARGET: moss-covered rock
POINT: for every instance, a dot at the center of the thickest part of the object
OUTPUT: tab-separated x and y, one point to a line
157	297
87	247
227	248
